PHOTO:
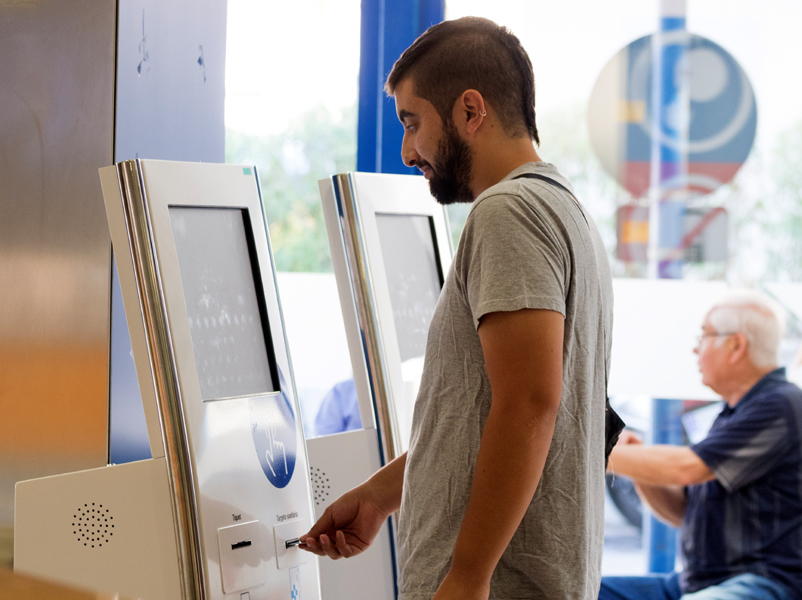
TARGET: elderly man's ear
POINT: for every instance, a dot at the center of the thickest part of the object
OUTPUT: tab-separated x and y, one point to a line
740	347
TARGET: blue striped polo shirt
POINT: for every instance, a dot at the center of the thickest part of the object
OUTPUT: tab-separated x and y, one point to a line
749	518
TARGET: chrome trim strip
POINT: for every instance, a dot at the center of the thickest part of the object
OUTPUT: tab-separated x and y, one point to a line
165	379
362	283
109	323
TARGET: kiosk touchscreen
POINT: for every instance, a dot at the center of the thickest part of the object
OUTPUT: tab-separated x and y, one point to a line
217	511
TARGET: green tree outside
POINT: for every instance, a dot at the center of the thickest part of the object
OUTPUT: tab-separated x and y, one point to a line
290	164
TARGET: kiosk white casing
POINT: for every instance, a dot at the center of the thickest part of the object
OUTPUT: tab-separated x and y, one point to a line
387	290
208	516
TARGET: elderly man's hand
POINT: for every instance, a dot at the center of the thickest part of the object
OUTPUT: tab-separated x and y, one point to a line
628	437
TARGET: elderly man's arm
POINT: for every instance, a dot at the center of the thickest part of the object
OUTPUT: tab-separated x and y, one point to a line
660	474
659	464
667	502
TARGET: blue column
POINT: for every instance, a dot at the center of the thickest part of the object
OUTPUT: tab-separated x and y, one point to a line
662	538
388	28
669	176
670	124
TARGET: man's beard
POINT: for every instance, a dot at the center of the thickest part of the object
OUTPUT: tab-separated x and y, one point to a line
451	180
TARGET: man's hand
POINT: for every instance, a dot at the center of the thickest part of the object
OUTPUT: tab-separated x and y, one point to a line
347	528
353	521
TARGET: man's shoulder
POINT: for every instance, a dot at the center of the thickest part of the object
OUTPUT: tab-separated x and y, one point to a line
778	404
787	397
519	184
782	394
516	194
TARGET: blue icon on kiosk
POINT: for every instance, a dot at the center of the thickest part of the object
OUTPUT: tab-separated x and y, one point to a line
274	435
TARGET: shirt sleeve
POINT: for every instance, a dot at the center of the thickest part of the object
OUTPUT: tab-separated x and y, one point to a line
748	445
512	257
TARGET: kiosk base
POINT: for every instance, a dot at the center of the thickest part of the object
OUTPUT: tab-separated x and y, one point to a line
108	529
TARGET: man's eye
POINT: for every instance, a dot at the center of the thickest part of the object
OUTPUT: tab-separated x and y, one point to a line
410	128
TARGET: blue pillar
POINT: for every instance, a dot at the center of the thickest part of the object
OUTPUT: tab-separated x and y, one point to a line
669	177
670	124
662	538
388	28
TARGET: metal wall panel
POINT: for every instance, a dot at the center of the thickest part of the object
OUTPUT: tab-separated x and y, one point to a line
171	80
56	130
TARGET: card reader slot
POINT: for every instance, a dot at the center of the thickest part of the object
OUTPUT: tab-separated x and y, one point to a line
243	544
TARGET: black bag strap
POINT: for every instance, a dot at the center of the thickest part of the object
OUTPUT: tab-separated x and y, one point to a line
555	183
613	424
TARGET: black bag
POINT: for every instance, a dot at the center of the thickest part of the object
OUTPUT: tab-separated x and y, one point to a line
613	424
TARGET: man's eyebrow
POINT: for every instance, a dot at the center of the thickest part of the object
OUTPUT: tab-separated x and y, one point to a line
404	114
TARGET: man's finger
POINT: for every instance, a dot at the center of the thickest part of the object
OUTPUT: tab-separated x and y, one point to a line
342	546
330	549
311	545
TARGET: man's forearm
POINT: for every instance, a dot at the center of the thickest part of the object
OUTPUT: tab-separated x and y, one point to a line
509	466
385	486
667	502
659	465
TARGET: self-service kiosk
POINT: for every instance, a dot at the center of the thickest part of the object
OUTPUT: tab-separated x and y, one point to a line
390	248
217	511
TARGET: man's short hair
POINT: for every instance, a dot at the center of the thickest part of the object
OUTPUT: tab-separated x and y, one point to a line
471	53
758	317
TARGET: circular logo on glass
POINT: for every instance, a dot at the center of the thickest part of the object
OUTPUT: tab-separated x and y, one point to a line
273	430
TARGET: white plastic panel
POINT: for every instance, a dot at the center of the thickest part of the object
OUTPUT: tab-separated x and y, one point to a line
339	463
107	529
242	556
130	296
287	554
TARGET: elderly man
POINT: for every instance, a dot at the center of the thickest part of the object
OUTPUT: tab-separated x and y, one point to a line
736	495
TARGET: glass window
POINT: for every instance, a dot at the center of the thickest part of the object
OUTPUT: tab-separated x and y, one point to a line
570	43
291	93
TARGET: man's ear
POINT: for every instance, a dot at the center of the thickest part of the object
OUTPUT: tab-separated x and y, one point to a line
740	347
470	111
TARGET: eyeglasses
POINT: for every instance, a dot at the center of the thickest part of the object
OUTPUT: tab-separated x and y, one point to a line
706	334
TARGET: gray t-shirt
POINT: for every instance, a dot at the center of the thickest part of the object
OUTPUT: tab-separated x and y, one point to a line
526	244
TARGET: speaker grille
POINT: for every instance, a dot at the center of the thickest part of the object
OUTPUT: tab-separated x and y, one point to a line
93	525
320	485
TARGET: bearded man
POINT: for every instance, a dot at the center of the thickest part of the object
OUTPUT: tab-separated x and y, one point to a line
501	493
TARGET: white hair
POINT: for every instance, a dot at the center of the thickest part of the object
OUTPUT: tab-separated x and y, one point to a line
756	316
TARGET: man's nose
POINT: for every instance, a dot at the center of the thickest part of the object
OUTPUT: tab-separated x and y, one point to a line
408	154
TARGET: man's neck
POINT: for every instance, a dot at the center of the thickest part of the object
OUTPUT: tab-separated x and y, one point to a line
493	161
741	385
